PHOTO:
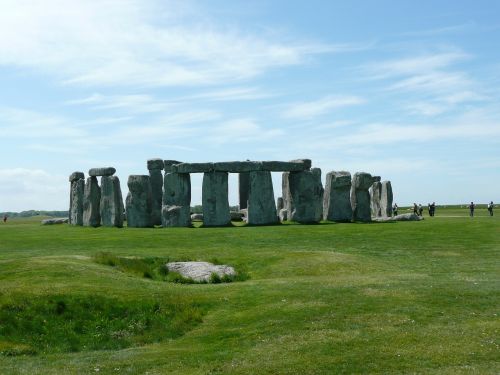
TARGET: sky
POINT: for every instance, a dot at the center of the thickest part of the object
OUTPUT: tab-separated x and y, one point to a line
406	90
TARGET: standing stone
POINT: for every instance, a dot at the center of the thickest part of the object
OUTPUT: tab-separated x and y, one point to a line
155	167
111	205
285	191
337	197
243	188
279	204
386	199
360	197
215	199
77	188
176	200
306	196
375	192
261	206
91	202
139	202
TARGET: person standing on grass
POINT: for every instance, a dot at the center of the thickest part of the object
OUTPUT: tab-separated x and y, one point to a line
472	206
433	208
4	218
420	210
490	208
395	209
415	209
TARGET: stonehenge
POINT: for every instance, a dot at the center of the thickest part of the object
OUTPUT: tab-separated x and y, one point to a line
163	197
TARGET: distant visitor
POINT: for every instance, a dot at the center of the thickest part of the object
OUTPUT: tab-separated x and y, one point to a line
490	208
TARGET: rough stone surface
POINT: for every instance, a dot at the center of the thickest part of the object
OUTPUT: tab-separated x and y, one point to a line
193	167
307	162
306	196
139	202
111	205
261	206
91	202
283	214
285	191
360	196
237	215
237	166
403	217
337	197
215	199
60	220
200	271
375	195
156	179
285	166
76	176
155	164
76	202
176	192
196	217
279	204
243	188
168	165
105	171
386	199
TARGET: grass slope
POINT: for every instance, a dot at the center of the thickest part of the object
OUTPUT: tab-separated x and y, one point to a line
408	297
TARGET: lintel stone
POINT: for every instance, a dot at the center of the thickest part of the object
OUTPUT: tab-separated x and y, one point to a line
167	165
193	167
155	164
237	166
104	171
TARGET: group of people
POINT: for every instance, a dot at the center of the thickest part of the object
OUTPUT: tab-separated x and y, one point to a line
418	209
472	207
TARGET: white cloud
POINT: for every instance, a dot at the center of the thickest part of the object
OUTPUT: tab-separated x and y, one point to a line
319	107
242	130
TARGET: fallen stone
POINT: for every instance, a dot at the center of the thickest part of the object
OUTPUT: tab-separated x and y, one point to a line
386	199
360	197
215	202
261	206
306	196
75	176
106	171
200	271
91	203
403	217
111	205
155	164
61	220
337	197
139	202
168	165
193	167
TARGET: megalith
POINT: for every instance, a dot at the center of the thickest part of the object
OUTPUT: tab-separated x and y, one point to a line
155	167
91	203
375	194
139	202
386	199
360	196
215	201
111	205
243	188
305	196
176	209
279	204
337	197
261	206
77	187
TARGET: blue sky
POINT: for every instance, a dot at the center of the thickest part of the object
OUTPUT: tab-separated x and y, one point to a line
406	90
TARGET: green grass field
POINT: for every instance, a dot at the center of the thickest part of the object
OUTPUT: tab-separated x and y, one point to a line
407	297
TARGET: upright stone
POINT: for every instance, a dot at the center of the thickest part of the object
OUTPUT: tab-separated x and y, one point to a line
360	197
176	200
215	199
139	202
279	204
77	187
261	206
111	205
285	191
306	196
243	188
375	192
386	199
91	202
155	167
336	200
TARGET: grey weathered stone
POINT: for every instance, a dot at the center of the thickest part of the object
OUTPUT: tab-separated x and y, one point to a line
283	214
386	199
200	271
285	191
337	197
196	217
279	204
375	195
156	179
155	164
215	199
176	193
91	202
111	205
105	171
77	188
285	166
243	188
60	220
168	165
139	202
360	196
76	176
306	196
403	217
237	166
237	215
307	162
193	167
261	206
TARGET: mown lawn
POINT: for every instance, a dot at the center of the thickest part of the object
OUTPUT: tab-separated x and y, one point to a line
408	297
